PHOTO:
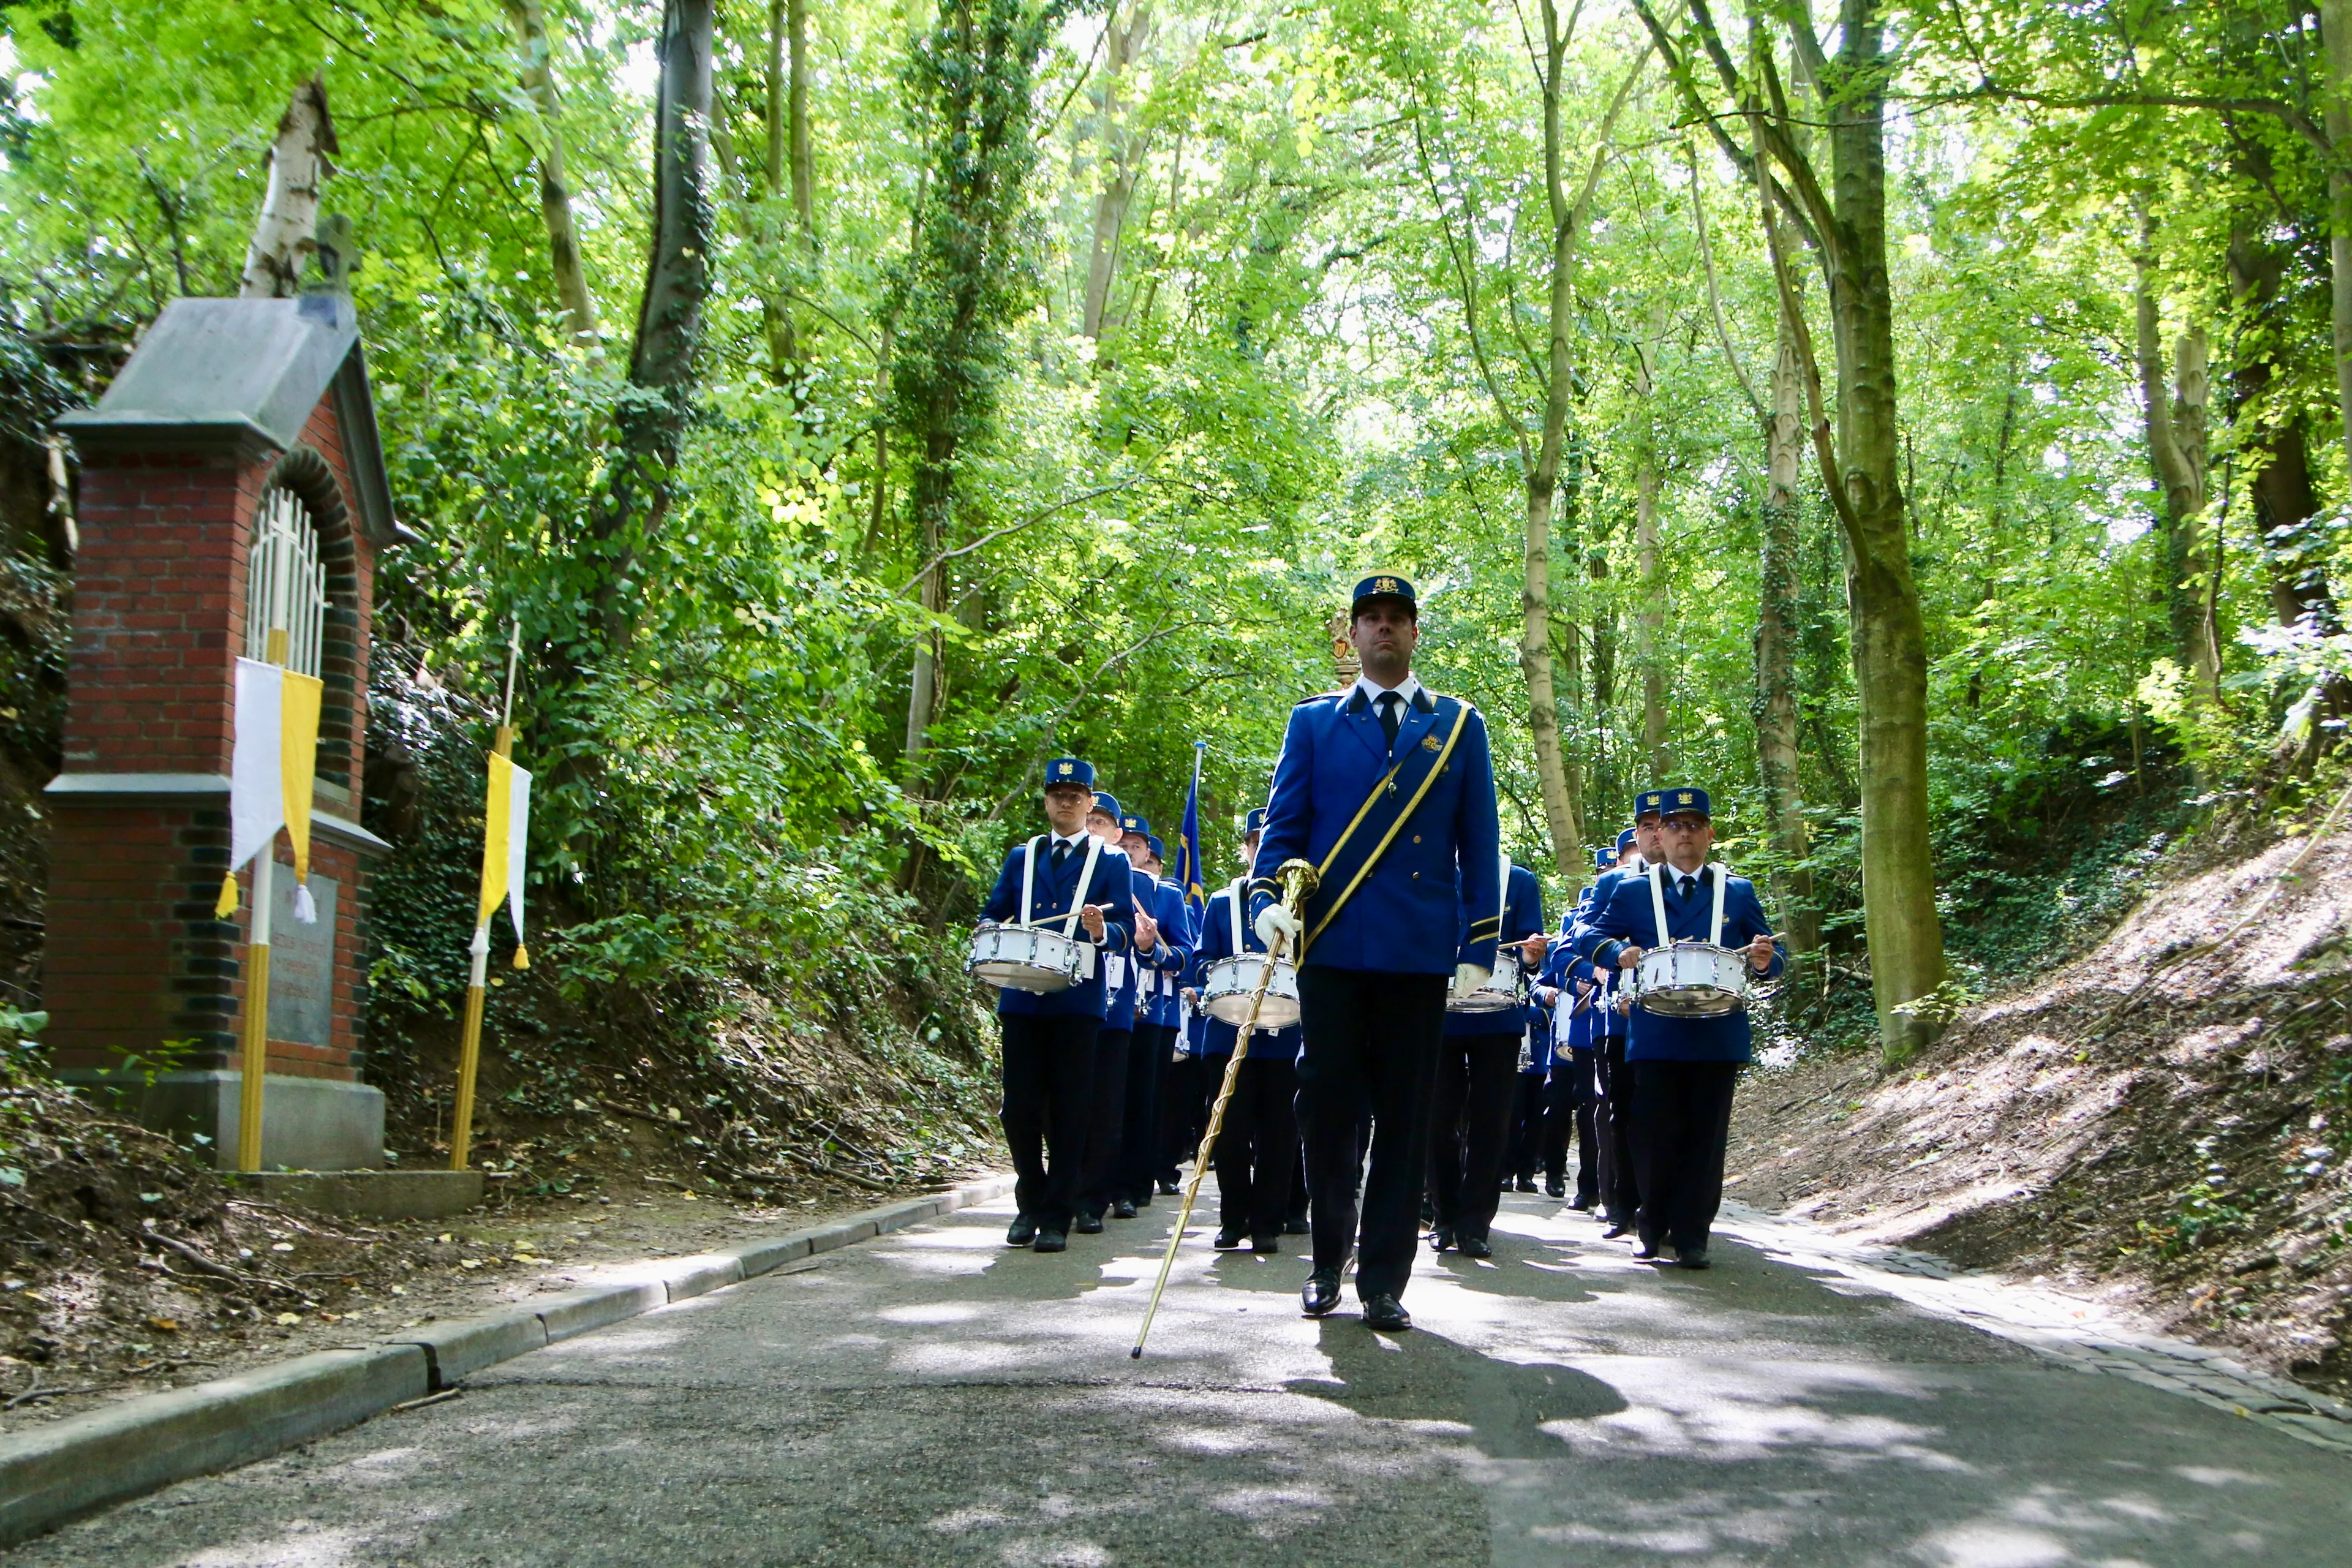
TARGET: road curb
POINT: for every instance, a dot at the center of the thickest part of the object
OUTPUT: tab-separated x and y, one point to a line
86	1462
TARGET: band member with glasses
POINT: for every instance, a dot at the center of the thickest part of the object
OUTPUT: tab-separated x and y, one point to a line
1683	1069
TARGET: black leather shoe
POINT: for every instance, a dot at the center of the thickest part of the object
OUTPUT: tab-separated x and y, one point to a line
1582	1206
1441	1240
1692	1257
1385	1313
1616	1228
1647	1251
1266	1241
1476	1246
1168	1186
1021	1232
1089	1224
1527	1183
1321	1293
1051	1240
1145	1201
1230	1237
1555	1189
1296	1226
1122	1210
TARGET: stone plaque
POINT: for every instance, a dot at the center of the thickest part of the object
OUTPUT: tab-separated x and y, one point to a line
301	963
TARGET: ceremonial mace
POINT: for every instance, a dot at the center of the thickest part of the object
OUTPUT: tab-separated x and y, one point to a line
1298	880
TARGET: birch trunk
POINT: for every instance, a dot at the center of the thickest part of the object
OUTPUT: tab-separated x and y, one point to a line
2183	569
1118	166
537	76
289	203
1650	603
1776	652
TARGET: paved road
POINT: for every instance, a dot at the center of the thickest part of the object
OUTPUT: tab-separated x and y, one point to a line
932	1397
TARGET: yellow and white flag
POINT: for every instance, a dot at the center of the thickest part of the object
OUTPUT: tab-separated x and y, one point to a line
274	757
506	822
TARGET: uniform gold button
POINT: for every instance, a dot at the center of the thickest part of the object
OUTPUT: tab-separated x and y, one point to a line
1416	876
1416	838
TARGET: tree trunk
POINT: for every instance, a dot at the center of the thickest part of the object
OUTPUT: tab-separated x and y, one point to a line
538	76
1606	785
289	204
1775	653
1889	632
2182	566
2335	29
662	362
790	168
1650	604
1116	165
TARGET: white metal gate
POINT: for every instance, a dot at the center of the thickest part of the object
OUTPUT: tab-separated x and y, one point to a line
285	585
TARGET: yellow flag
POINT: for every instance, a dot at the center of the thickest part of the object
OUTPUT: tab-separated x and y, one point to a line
297	764
497	818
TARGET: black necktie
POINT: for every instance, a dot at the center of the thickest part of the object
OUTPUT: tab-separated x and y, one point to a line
1061	853
1688	884
1389	723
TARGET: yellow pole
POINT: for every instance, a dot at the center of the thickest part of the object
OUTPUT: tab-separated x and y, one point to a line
469	1048
1298	882
253	1066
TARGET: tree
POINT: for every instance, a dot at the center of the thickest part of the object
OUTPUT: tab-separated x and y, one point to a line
537	72
289	207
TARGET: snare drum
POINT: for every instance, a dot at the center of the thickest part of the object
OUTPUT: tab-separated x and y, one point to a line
1692	980
1501	992
1028	958
1230	983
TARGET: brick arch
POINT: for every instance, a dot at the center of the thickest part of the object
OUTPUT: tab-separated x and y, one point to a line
305	472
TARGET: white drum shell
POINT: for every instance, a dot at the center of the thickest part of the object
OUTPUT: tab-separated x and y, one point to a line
1026	957
1692	980
1501	992
1230	983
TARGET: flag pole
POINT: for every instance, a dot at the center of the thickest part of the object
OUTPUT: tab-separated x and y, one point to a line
469	1048
253	1067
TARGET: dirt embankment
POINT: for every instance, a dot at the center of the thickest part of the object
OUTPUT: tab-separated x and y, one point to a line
2168	1120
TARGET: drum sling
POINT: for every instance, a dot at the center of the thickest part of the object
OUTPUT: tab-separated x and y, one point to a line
1658	904
1077	895
1388	780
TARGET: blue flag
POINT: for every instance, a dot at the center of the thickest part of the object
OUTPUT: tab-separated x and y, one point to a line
1188	851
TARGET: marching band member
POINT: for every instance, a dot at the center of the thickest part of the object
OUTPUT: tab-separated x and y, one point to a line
1621	1191
1573	1089
1529	1120
1049	1040
1470	1118
1107	1107
1683	1069
1258	1143
1155	1030
1389	791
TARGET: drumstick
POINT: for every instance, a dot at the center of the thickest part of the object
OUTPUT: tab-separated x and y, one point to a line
1298	880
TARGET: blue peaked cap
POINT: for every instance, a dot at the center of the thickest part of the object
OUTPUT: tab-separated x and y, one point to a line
1257	821
1603	859
1159	850
1625	840
1686	803
1649	801
1386	586
1108	804
1069	771
1135	822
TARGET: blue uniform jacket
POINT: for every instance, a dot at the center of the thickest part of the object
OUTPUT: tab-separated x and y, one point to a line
1051	895
1608	1022
1217	941
1523	916
1561	969
1627	918
1405	916
1175	955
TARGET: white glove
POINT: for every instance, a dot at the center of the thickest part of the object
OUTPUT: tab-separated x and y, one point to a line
1274	917
1468	977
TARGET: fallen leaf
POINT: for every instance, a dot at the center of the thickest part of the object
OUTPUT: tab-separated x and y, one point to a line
169	1325
288	1319
469	1263
281	1247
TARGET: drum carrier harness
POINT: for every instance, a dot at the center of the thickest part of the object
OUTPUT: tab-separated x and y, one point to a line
1078	898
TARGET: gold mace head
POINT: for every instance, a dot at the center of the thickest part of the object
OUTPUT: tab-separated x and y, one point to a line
1298	879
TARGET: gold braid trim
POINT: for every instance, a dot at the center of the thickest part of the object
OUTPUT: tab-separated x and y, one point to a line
1461	717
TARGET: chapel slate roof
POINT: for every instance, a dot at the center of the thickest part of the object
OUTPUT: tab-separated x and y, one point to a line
247	372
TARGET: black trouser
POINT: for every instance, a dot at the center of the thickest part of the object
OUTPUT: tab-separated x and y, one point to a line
1298	1171
1572	1104
1049	1076
1372	1042
1179	1114
1620	1185
1258	1145
1526	1126
1470	1110
1106	1113
1138	1134
1681	1121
